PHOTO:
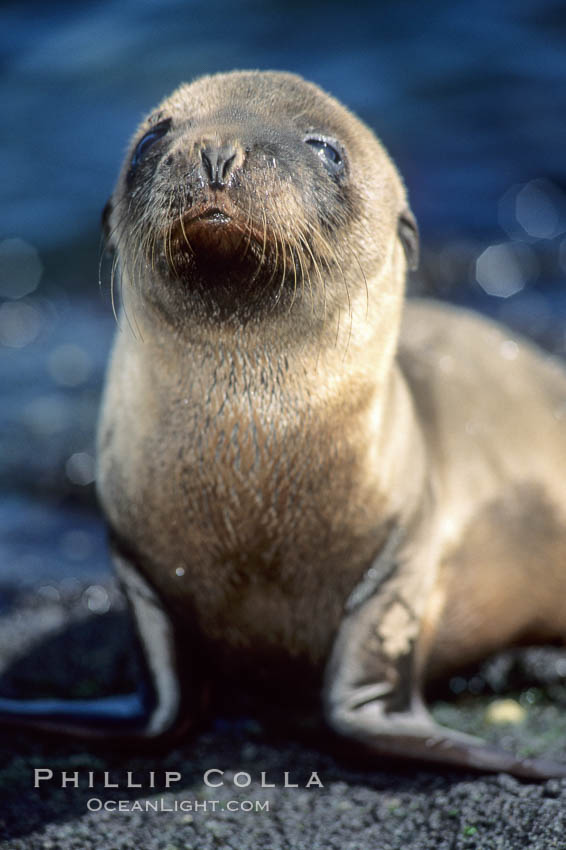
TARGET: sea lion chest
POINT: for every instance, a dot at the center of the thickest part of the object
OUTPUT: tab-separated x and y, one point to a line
244	494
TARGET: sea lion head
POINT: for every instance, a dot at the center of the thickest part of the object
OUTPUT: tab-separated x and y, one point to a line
253	194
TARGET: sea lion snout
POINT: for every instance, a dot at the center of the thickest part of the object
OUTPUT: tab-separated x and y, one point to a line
219	161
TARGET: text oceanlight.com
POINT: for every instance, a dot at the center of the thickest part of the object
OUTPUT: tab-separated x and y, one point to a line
160	804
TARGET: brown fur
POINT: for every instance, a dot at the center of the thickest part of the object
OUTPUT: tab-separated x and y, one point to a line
259	438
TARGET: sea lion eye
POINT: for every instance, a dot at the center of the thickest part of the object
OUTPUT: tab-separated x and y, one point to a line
328	152
148	140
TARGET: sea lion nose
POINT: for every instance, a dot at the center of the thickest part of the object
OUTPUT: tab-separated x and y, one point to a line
218	162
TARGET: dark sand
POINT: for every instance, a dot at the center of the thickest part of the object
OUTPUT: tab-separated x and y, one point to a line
387	807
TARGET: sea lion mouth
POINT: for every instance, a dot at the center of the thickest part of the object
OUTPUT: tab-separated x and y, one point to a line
215	215
214	235
215	249
236	258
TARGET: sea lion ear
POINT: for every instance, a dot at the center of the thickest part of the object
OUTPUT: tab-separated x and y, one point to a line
106	232
408	231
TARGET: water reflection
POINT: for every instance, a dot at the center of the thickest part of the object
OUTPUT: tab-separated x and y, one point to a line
533	210
20	268
20	324
505	269
469	99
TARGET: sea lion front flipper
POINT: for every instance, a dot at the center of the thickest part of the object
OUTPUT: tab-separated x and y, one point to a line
160	710
370	698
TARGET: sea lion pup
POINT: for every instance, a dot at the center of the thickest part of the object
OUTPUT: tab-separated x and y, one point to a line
296	489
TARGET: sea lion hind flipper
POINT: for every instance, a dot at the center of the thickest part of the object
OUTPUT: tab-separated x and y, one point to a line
370	699
157	713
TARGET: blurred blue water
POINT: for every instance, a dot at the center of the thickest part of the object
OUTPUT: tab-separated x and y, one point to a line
470	100
469	97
